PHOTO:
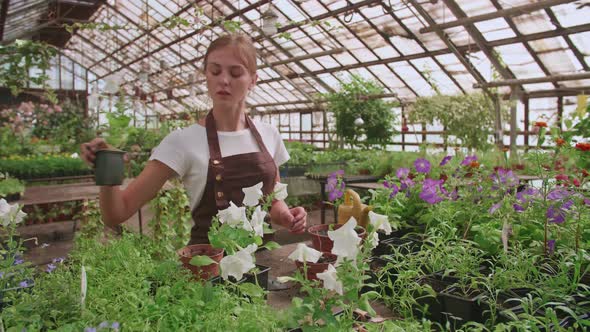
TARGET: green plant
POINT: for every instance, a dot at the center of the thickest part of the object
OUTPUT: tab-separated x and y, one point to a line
43	166
10	186
117	129
16	61
354	100
171	222
469	117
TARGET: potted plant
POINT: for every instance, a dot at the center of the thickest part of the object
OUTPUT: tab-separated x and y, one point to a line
109	163
10	188
237	232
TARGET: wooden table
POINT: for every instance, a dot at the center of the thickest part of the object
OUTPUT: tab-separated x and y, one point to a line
59	193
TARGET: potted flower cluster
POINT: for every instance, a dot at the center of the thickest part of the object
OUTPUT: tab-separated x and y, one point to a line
341	282
236	232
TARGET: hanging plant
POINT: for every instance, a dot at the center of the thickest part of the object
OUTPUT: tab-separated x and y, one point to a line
353	102
469	117
16	61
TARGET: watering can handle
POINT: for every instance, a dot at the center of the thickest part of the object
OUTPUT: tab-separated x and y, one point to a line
352	198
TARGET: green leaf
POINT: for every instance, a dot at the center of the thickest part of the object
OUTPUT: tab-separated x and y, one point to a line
251	290
202	261
271	245
366	306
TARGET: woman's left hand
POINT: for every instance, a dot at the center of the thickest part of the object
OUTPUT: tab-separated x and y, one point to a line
294	219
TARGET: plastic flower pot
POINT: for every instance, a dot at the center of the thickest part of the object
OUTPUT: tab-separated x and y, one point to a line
110	168
201	272
314	268
320	240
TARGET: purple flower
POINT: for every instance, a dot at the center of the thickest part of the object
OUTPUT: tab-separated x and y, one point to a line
587	201
555	215
50	268
103	325
394	190
518	207
551	246
23	284
90	329
468	160
58	260
402	173
506	177
445	160
429	193
1	274
115	325
558	194
495	207
406	183
334	195
422	165
18	261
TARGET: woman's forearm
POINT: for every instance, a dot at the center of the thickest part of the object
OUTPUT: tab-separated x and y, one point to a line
277	209
112	205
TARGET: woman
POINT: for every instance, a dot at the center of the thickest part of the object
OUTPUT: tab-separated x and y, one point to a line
216	157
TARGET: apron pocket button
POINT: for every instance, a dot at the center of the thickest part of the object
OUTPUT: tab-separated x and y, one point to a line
216	162
218	177
219	194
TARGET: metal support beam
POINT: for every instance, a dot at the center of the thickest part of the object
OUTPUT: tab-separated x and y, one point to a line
514	97
553	78
188	35
447	40
481	42
304	57
568	40
514	11
3	14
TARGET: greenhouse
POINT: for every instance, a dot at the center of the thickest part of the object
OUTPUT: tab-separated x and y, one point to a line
294	165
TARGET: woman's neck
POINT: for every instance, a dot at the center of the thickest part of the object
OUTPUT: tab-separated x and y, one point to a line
230	118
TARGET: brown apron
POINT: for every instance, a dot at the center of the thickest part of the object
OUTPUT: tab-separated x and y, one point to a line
227	176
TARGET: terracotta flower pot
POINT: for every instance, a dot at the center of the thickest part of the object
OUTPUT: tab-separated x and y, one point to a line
320	240
201	272
314	268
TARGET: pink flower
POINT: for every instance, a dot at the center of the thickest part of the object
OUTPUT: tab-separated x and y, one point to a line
49	110
44	106
57	108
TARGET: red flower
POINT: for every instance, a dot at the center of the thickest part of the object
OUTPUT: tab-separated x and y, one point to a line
540	124
576	182
585	173
562	177
560	141
584	146
474	164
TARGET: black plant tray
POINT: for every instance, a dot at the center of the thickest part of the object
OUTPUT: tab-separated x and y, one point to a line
459	309
434	304
406	245
261	276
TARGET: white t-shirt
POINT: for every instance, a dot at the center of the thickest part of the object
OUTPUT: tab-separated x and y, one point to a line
187	153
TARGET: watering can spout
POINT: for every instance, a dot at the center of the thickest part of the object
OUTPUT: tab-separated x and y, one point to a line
353	207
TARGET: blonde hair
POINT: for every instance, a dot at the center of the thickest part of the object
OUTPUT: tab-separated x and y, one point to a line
244	45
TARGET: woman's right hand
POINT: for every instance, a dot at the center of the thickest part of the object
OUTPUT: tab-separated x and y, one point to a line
88	150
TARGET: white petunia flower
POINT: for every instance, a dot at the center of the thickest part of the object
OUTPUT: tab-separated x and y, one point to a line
330	279
304	253
380	222
374	240
252	194
234	216
257	221
280	191
238	264
74	155
346	240
285	279
10	213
